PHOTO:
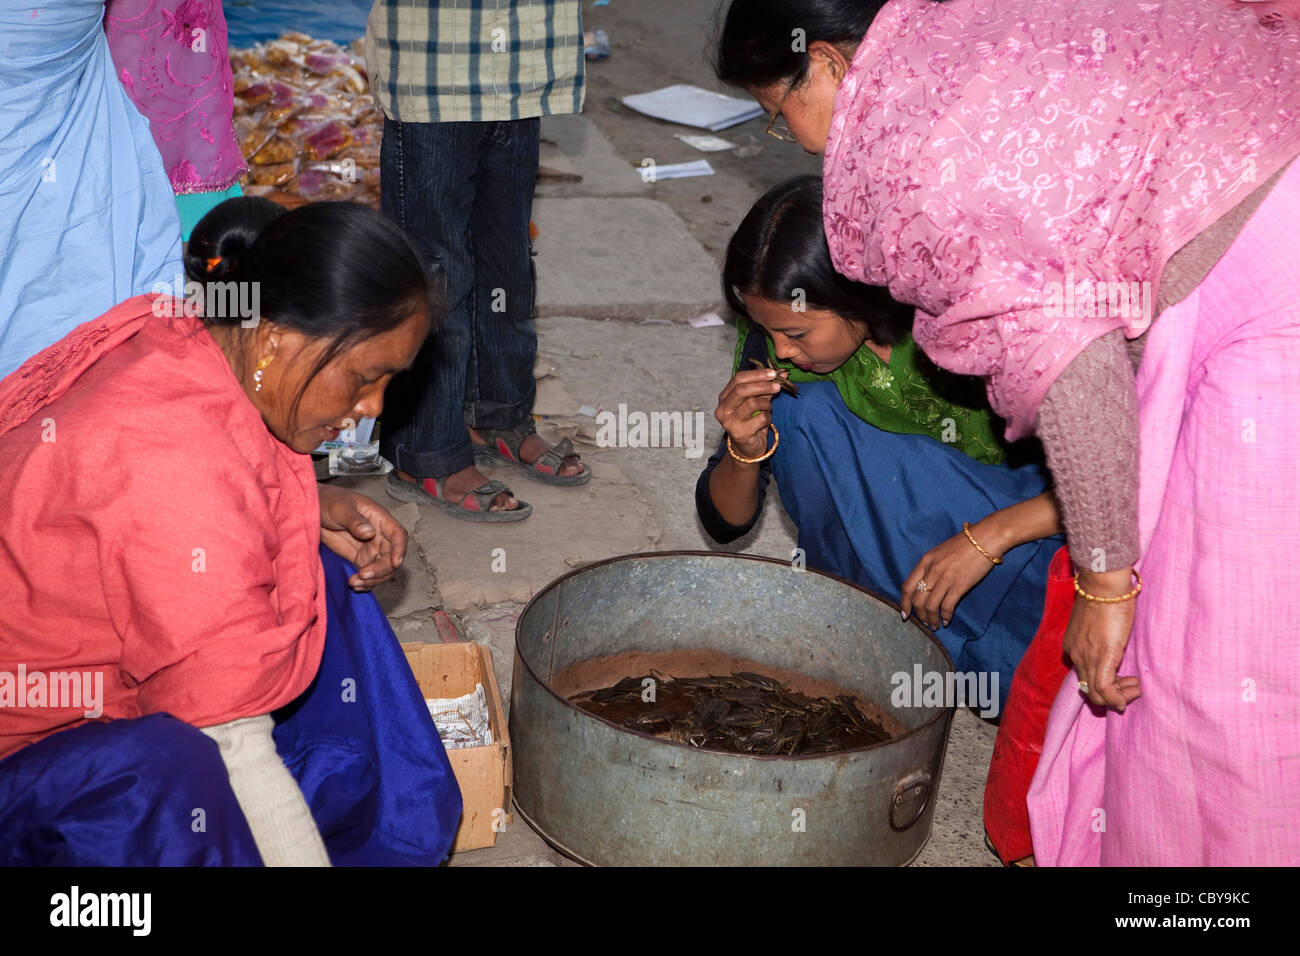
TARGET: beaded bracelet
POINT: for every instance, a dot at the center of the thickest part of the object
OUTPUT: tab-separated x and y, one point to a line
965	527
1110	600
776	440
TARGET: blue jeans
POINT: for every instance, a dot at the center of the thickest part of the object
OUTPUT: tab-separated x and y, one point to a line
464	192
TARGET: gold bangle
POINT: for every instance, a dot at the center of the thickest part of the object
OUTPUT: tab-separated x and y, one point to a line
965	527
776	440
1111	600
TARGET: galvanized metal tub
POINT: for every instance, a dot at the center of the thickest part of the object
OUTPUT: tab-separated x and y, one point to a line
607	795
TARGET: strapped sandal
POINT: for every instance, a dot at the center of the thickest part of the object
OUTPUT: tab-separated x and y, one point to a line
503	448
473	507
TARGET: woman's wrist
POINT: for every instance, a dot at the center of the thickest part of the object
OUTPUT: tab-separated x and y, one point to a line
753	448
742	467
1018	524
995	534
1106	584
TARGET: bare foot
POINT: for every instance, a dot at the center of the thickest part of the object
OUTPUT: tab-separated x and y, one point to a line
460	484
533	448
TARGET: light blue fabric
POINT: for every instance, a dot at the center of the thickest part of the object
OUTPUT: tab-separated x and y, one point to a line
87	214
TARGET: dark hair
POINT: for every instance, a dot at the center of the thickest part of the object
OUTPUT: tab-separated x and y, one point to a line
335	271
762	41
780	248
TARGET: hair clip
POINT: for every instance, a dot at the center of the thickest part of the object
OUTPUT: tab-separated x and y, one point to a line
214	262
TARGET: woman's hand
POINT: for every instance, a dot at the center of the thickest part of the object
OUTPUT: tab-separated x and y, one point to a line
949	570
954	567
362	531
1097	635
745	410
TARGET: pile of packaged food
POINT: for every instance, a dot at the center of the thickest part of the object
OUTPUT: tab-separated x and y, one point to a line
306	122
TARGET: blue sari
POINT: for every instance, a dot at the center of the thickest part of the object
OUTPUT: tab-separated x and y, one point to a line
915	493
153	791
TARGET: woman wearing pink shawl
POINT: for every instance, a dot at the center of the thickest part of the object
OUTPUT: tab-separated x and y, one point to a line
1043	181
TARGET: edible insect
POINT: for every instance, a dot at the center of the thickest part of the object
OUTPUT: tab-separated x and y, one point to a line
743	713
782	376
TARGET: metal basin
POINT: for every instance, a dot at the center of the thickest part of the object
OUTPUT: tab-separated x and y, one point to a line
606	795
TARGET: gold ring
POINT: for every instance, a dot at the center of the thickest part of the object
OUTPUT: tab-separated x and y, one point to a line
922	586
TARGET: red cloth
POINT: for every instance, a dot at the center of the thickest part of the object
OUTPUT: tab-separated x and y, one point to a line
1019	743
153	530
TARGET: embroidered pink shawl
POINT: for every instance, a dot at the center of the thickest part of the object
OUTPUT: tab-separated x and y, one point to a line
171	57
1012	168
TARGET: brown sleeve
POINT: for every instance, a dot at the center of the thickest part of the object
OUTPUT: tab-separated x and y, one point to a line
1088	425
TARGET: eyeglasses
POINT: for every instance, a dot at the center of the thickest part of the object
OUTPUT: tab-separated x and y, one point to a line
781	132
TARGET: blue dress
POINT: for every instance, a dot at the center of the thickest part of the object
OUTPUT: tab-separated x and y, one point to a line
153	791
870	503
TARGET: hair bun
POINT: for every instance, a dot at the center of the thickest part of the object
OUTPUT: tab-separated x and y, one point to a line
222	236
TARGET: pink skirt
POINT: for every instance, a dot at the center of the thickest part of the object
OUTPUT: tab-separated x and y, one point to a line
1204	768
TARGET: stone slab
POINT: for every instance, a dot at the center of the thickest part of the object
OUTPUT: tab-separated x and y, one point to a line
620	258
568	526
573	144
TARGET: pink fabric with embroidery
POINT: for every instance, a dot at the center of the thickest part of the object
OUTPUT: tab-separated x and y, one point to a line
171	57
984	155
1274	14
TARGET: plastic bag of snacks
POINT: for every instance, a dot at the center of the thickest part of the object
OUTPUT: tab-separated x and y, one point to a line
306	122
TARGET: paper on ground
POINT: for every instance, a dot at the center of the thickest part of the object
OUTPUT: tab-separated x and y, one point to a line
705	144
706	320
692	106
652	174
462	721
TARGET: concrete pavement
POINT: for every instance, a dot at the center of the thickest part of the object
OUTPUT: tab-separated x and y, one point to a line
621	264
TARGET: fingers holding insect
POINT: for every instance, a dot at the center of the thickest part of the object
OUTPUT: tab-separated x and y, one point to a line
744	384
743	398
783	375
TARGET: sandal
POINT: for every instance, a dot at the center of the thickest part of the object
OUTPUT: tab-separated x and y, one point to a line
1023	861
503	448
473	507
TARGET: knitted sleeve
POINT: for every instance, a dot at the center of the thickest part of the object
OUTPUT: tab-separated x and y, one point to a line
269	796
1088	425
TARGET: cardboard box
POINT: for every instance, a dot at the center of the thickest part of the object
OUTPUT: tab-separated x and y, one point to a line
485	774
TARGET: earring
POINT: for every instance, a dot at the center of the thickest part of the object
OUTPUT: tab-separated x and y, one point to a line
257	376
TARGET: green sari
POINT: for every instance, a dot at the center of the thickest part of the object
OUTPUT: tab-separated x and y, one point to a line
909	395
